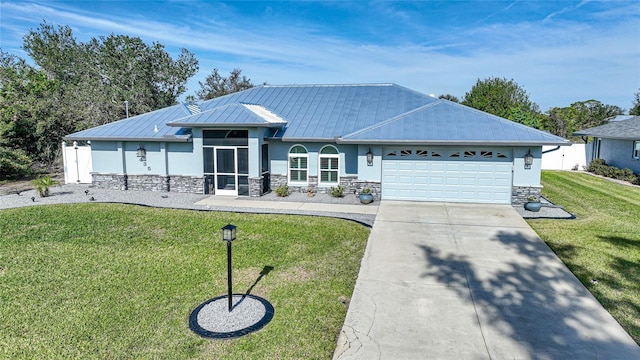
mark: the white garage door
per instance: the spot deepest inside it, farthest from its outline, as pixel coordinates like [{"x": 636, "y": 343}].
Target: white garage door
[{"x": 454, "y": 174}]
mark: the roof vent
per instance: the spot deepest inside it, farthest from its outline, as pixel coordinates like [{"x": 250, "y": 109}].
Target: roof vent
[
  {"x": 155, "y": 128},
  {"x": 193, "y": 108}
]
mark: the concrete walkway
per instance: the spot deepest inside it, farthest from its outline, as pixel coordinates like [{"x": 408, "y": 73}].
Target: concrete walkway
[
  {"x": 457, "y": 281},
  {"x": 240, "y": 202}
]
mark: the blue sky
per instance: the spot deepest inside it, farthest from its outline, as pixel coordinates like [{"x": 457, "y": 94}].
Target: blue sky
[{"x": 559, "y": 51}]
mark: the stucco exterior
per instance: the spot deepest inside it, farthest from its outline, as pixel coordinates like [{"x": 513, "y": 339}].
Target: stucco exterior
[{"x": 619, "y": 153}]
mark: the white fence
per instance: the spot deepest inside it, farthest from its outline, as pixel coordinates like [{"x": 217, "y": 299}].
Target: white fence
[
  {"x": 77, "y": 163},
  {"x": 565, "y": 158}
]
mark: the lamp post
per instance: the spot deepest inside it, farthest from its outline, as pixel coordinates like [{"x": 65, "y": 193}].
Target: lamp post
[{"x": 228, "y": 235}]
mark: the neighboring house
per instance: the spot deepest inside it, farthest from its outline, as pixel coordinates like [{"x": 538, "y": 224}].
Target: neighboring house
[
  {"x": 402, "y": 144},
  {"x": 617, "y": 143}
]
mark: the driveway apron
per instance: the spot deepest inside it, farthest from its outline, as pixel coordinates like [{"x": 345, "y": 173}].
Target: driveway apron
[{"x": 469, "y": 281}]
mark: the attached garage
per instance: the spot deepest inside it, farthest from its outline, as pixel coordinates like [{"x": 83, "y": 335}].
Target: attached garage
[{"x": 455, "y": 174}]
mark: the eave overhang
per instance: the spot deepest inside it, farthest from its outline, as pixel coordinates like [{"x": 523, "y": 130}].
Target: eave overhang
[
  {"x": 453, "y": 142},
  {"x": 137, "y": 139}
]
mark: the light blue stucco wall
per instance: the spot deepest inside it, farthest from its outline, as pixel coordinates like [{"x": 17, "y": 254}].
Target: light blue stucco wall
[
  {"x": 279, "y": 157},
  {"x": 527, "y": 177},
  {"x": 162, "y": 158},
  {"x": 106, "y": 157},
  {"x": 619, "y": 153},
  {"x": 154, "y": 164},
  {"x": 256, "y": 136},
  {"x": 181, "y": 160},
  {"x": 370, "y": 173}
]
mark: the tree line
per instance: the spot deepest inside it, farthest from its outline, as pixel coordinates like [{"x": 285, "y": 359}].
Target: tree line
[
  {"x": 507, "y": 99},
  {"x": 78, "y": 85}
]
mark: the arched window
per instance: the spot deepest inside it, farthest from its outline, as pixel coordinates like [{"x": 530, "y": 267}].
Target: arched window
[
  {"x": 329, "y": 165},
  {"x": 298, "y": 165}
]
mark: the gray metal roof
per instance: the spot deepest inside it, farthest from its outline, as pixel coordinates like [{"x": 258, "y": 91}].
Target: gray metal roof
[
  {"x": 623, "y": 130},
  {"x": 449, "y": 123},
  {"x": 140, "y": 128},
  {"x": 357, "y": 113}
]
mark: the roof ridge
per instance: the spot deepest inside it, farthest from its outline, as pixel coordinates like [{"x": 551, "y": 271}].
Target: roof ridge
[
  {"x": 391, "y": 120},
  {"x": 328, "y": 85}
]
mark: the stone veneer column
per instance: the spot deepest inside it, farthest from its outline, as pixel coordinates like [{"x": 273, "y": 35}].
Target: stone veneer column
[
  {"x": 519, "y": 193},
  {"x": 255, "y": 186}
]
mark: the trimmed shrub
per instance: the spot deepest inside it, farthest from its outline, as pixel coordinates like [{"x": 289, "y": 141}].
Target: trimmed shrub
[
  {"x": 282, "y": 191},
  {"x": 336, "y": 191},
  {"x": 599, "y": 167}
]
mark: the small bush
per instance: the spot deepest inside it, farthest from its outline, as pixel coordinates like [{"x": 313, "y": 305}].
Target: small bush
[
  {"x": 366, "y": 191},
  {"x": 336, "y": 191},
  {"x": 599, "y": 167},
  {"x": 282, "y": 191}
]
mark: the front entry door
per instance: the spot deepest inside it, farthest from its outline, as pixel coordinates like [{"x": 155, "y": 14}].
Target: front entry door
[{"x": 231, "y": 170}]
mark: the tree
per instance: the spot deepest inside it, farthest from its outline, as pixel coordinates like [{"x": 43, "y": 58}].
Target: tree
[
  {"x": 449, "y": 97},
  {"x": 80, "y": 85},
  {"x": 216, "y": 85},
  {"x": 580, "y": 115},
  {"x": 502, "y": 97},
  {"x": 635, "y": 110}
]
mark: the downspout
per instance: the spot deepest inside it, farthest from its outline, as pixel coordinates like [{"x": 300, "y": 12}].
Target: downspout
[{"x": 551, "y": 150}]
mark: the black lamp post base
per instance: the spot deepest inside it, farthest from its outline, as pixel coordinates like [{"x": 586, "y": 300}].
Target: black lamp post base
[{"x": 212, "y": 319}]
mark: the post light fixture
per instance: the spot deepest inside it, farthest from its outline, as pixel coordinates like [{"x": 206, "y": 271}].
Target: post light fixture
[
  {"x": 369, "y": 158},
  {"x": 229, "y": 232},
  {"x": 528, "y": 159},
  {"x": 228, "y": 235},
  {"x": 141, "y": 153}
]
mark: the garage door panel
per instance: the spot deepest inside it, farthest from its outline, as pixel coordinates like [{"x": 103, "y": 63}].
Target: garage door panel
[{"x": 456, "y": 180}]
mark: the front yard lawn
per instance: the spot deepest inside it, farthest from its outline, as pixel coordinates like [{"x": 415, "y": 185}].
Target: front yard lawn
[
  {"x": 119, "y": 281},
  {"x": 602, "y": 245}
]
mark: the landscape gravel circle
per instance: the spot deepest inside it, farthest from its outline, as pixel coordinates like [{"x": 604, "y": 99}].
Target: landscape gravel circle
[{"x": 212, "y": 319}]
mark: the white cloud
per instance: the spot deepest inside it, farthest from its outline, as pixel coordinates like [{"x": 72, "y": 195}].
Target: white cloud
[{"x": 557, "y": 61}]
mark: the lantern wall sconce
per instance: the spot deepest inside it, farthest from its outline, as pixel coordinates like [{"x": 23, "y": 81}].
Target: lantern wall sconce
[
  {"x": 141, "y": 153},
  {"x": 369, "y": 158},
  {"x": 528, "y": 159}
]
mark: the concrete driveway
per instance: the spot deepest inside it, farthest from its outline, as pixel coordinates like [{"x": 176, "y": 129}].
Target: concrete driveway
[{"x": 458, "y": 281}]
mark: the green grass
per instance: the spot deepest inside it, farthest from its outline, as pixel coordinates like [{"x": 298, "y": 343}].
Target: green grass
[
  {"x": 602, "y": 244},
  {"x": 116, "y": 281}
]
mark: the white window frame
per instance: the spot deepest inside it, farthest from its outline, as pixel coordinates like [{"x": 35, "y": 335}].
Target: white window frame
[
  {"x": 636, "y": 149},
  {"x": 336, "y": 170},
  {"x": 289, "y": 168}
]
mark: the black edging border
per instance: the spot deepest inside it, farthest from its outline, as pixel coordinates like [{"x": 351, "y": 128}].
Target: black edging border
[{"x": 196, "y": 328}]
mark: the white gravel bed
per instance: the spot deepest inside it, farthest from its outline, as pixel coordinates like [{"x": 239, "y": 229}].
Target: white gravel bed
[{"x": 215, "y": 316}]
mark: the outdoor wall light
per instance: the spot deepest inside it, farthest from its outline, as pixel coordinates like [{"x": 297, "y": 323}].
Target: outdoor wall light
[
  {"x": 141, "y": 153},
  {"x": 528, "y": 159},
  {"x": 369, "y": 158}
]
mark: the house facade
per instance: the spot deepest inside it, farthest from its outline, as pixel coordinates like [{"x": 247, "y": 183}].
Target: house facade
[
  {"x": 617, "y": 143},
  {"x": 401, "y": 144}
]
